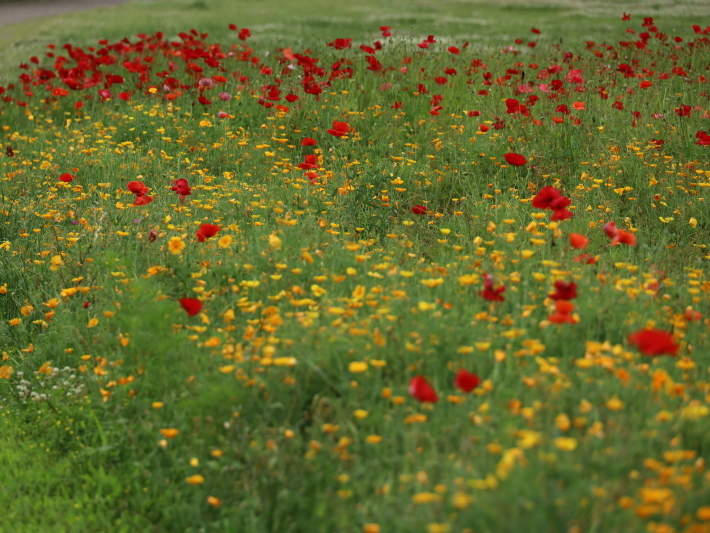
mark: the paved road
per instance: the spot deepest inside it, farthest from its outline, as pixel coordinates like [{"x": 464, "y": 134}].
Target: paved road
[{"x": 14, "y": 12}]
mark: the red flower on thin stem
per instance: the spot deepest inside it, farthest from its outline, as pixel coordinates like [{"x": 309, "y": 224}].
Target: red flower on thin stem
[
  {"x": 142, "y": 199},
  {"x": 137, "y": 187},
  {"x": 654, "y": 342},
  {"x": 514, "y": 159},
  {"x": 619, "y": 236},
  {"x": 563, "y": 313},
  {"x": 419, "y": 210},
  {"x": 578, "y": 241},
  {"x": 206, "y": 231},
  {"x": 545, "y": 196},
  {"x": 420, "y": 389},
  {"x": 466, "y": 381},
  {"x": 67, "y": 178},
  {"x": 339, "y": 129},
  {"x": 181, "y": 187},
  {"x": 311, "y": 162},
  {"x": 192, "y": 306},
  {"x": 564, "y": 291},
  {"x": 489, "y": 292}
]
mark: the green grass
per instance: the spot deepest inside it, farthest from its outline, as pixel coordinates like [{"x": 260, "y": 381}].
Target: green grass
[{"x": 571, "y": 428}]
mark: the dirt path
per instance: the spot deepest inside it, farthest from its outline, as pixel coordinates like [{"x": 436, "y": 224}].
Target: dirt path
[{"x": 14, "y": 12}]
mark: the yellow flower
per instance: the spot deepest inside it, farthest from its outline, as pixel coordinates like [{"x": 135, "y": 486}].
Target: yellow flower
[
  {"x": 614, "y": 404},
  {"x": 56, "y": 261},
  {"x": 373, "y": 439},
  {"x": 15, "y": 321},
  {"x": 176, "y": 245},
  {"x": 225, "y": 241},
  {"x": 566, "y": 444},
  {"x": 6, "y": 371},
  {"x": 357, "y": 367},
  {"x": 274, "y": 242},
  {"x": 317, "y": 290},
  {"x": 694, "y": 411},
  {"x": 360, "y": 414},
  {"x": 197, "y": 479},
  {"x": 562, "y": 422},
  {"x": 169, "y": 433},
  {"x": 93, "y": 322},
  {"x": 425, "y": 497},
  {"x": 157, "y": 405},
  {"x": 468, "y": 279}
]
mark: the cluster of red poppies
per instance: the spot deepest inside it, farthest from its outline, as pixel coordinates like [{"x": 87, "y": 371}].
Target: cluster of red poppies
[
  {"x": 141, "y": 191},
  {"x": 550, "y": 198},
  {"x": 420, "y": 389},
  {"x": 564, "y": 308}
]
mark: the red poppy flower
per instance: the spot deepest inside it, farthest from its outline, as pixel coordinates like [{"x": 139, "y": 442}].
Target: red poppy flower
[
  {"x": 206, "y": 231},
  {"x": 683, "y": 110},
  {"x": 419, "y": 210},
  {"x": 137, "y": 187},
  {"x": 489, "y": 292},
  {"x": 420, "y": 389},
  {"x": 559, "y": 203},
  {"x": 191, "y": 305},
  {"x": 142, "y": 199},
  {"x": 654, "y": 342},
  {"x": 516, "y": 160},
  {"x": 703, "y": 138},
  {"x": 610, "y": 229},
  {"x": 624, "y": 237},
  {"x": 181, "y": 187},
  {"x": 545, "y": 197},
  {"x": 619, "y": 236},
  {"x": 692, "y": 315},
  {"x": 66, "y": 177},
  {"x": 578, "y": 241},
  {"x": 564, "y": 291},
  {"x": 339, "y": 128},
  {"x": 466, "y": 381},
  {"x": 341, "y": 44},
  {"x": 308, "y": 142},
  {"x": 311, "y": 162},
  {"x": 563, "y": 313},
  {"x": 561, "y": 214},
  {"x": 587, "y": 259}
]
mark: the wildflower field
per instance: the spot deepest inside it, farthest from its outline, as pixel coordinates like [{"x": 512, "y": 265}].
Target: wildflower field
[{"x": 394, "y": 283}]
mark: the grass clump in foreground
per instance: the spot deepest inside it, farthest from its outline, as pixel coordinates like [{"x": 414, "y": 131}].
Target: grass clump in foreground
[{"x": 401, "y": 285}]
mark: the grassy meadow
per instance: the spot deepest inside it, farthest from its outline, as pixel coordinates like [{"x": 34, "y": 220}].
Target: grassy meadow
[{"x": 435, "y": 267}]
